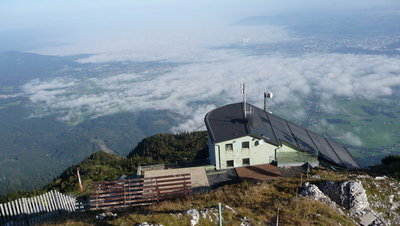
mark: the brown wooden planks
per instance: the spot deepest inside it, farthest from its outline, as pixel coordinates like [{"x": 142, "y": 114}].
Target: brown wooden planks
[{"x": 142, "y": 191}]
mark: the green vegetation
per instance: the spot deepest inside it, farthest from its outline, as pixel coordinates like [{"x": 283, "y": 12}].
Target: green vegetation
[
  {"x": 184, "y": 147},
  {"x": 258, "y": 202},
  {"x": 391, "y": 159},
  {"x": 102, "y": 166},
  {"x": 33, "y": 151},
  {"x": 390, "y": 166}
]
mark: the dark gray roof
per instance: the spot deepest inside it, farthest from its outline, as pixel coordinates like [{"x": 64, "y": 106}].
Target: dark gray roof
[{"x": 228, "y": 122}]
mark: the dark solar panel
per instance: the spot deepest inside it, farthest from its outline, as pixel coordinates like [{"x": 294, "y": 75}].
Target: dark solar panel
[
  {"x": 282, "y": 131},
  {"x": 303, "y": 139},
  {"x": 324, "y": 148},
  {"x": 343, "y": 154},
  {"x": 259, "y": 125}
]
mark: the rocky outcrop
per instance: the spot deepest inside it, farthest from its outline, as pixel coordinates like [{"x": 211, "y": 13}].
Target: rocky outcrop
[
  {"x": 348, "y": 194},
  {"x": 312, "y": 191}
]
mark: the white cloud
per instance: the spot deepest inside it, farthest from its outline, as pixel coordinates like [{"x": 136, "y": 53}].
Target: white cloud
[
  {"x": 351, "y": 139},
  {"x": 192, "y": 89}
]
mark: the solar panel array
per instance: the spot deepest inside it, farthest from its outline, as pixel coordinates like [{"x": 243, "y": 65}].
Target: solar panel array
[{"x": 228, "y": 122}]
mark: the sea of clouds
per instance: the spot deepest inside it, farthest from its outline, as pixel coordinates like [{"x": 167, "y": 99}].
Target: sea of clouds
[
  {"x": 207, "y": 75},
  {"x": 218, "y": 82}
]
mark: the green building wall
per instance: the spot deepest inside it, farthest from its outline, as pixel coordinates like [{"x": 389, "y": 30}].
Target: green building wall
[{"x": 258, "y": 152}]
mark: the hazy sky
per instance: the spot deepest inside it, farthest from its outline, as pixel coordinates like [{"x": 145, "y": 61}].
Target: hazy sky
[
  {"x": 187, "y": 32},
  {"x": 69, "y": 27}
]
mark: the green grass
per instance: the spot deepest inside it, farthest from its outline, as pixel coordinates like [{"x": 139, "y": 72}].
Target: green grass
[{"x": 259, "y": 202}]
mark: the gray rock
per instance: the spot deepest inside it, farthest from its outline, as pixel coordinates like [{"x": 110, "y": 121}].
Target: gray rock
[
  {"x": 312, "y": 191},
  {"x": 348, "y": 194},
  {"x": 316, "y": 176},
  {"x": 245, "y": 222},
  {"x": 143, "y": 224},
  {"x": 195, "y": 216}
]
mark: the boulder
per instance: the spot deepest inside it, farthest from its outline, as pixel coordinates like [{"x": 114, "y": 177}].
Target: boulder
[{"x": 348, "y": 194}]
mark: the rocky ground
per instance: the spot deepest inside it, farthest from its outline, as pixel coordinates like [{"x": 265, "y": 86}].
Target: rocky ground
[
  {"x": 321, "y": 198},
  {"x": 365, "y": 199}
]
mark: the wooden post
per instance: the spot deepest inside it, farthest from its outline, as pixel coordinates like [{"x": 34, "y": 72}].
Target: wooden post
[
  {"x": 64, "y": 203},
  {"x": 10, "y": 211},
  {"x": 32, "y": 209},
  {"x": 21, "y": 211},
  {"x": 41, "y": 203},
  {"x": 6, "y": 214},
  {"x": 50, "y": 196},
  {"x": 277, "y": 217},
  {"x": 301, "y": 180},
  {"x": 61, "y": 198},
  {"x": 45, "y": 202},
  {"x": 15, "y": 209},
  {"x": 24, "y": 207},
  {"x": 219, "y": 214},
  {"x": 36, "y": 204},
  {"x": 59, "y": 206},
  {"x": 157, "y": 191},
  {"x": 69, "y": 203},
  {"x": 33, "y": 206},
  {"x": 2, "y": 215},
  {"x": 123, "y": 187}
]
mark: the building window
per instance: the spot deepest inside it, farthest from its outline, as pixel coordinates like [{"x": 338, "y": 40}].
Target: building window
[
  {"x": 228, "y": 147},
  {"x": 245, "y": 145},
  {"x": 246, "y": 162},
  {"x": 229, "y": 163}
]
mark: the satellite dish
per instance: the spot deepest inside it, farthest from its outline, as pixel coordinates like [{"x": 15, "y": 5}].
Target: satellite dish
[{"x": 267, "y": 96}]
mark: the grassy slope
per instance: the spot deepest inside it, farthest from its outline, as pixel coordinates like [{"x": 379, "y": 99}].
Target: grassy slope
[{"x": 256, "y": 201}]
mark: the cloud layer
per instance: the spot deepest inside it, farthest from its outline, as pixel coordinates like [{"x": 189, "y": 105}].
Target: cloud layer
[
  {"x": 193, "y": 89},
  {"x": 193, "y": 34}
]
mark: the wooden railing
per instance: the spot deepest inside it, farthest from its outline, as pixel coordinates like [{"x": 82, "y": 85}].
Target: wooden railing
[
  {"x": 137, "y": 192},
  {"x": 29, "y": 211}
]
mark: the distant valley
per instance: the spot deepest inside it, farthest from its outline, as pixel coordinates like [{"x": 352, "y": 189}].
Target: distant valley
[
  {"x": 336, "y": 74},
  {"x": 37, "y": 144}
]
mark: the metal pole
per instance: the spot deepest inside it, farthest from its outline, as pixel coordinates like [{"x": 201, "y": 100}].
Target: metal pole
[
  {"x": 277, "y": 218},
  {"x": 265, "y": 100},
  {"x": 219, "y": 214}
]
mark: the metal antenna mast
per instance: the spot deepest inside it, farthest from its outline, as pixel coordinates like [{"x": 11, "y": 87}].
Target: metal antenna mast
[{"x": 243, "y": 89}]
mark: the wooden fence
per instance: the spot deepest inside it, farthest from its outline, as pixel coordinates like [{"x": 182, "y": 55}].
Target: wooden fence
[
  {"x": 28, "y": 211},
  {"x": 137, "y": 192}
]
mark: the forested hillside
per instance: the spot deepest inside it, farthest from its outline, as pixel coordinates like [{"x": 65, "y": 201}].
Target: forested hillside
[
  {"x": 180, "y": 148},
  {"x": 101, "y": 166}
]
